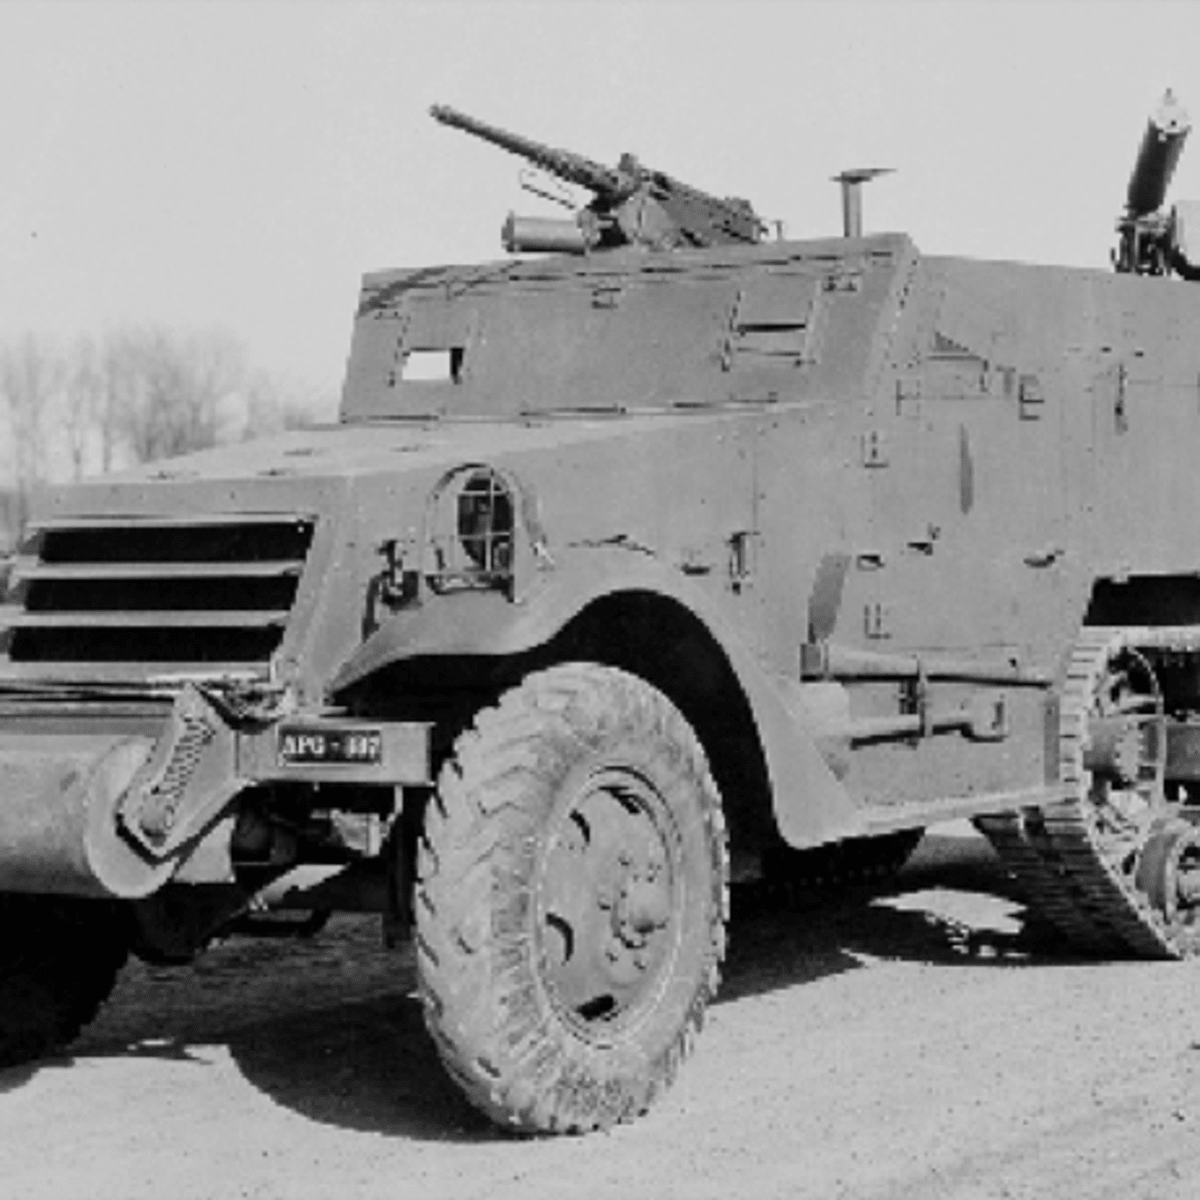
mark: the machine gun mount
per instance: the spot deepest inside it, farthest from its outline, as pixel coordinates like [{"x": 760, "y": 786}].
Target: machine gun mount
[
  {"x": 631, "y": 205},
  {"x": 1154, "y": 241}
]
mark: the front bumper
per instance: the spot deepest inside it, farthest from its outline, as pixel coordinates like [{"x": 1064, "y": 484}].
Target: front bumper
[{"x": 99, "y": 803}]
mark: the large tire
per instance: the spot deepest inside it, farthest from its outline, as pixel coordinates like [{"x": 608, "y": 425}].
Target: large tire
[
  {"x": 572, "y": 901},
  {"x": 59, "y": 959}
]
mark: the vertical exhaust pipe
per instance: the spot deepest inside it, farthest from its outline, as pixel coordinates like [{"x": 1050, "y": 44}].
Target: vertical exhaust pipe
[{"x": 852, "y": 181}]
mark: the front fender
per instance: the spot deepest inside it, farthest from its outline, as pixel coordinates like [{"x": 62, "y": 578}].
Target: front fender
[{"x": 810, "y": 804}]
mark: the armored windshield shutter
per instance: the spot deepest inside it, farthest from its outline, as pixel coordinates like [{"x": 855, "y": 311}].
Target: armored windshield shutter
[
  {"x": 437, "y": 324},
  {"x": 408, "y": 357},
  {"x": 434, "y": 349},
  {"x": 774, "y": 320}
]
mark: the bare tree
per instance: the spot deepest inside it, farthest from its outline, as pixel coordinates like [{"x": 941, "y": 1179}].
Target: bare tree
[
  {"x": 131, "y": 394},
  {"x": 82, "y": 401},
  {"x": 273, "y": 405},
  {"x": 31, "y": 381},
  {"x": 118, "y": 369},
  {"x": 170, "y": 387}
]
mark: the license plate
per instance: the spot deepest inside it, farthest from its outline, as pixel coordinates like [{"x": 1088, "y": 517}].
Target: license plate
[{"x": 298, "y": 746}]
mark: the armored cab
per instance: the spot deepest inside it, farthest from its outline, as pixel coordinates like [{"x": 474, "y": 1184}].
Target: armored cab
[{"x": 678, "y": 558}]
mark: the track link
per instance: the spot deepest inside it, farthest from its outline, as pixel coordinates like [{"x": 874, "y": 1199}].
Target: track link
[{"x": 1055, "y": 894}]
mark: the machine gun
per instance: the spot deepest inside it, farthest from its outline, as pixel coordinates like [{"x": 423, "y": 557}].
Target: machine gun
[
  {"x": 631, "y": 205},
  {"x": 1154, "y": 242}
]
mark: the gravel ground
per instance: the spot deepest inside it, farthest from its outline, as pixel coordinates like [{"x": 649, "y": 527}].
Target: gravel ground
[{"x": 920, "y": 1041}]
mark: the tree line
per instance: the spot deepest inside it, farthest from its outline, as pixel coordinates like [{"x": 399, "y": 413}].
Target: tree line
[{"x": 75, "y": 407}]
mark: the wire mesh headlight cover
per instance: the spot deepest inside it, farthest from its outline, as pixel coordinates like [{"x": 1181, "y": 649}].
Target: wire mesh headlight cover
[{"x": 472, "y": 529}]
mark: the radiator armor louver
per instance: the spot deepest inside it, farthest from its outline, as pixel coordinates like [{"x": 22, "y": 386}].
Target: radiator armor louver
[{"x": 206, "y": 590}]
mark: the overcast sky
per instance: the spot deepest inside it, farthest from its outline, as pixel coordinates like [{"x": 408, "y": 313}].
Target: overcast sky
[{"x": 242, "y": 164}]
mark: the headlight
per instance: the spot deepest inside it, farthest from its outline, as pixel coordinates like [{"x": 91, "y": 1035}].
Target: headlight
[{"x": 471, "y": 531}]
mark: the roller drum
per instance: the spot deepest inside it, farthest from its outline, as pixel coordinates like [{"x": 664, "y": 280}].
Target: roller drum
[{"x": 57, "y": 799}]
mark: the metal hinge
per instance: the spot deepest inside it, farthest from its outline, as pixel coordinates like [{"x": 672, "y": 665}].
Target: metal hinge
[
  {"x": 1030, "y": 398},
  {"x": 874, "y": 448},
  {"x": 876, "y": 620},
  {"x": 908, "y": 395},
  {"x": 741, "y": 559}
]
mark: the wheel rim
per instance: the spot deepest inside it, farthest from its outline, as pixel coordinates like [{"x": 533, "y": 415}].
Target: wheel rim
[{"x": 608, "y": 901}]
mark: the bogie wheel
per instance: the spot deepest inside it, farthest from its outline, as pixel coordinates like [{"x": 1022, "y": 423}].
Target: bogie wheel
[
  {"x": 572, "y": 900},
  {"x": 59, "y": 959}
]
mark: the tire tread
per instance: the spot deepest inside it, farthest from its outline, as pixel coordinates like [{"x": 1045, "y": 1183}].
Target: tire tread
[{"x": 479, "y": 991}]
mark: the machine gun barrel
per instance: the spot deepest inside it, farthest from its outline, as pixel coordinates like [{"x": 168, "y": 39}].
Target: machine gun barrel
[
  {"x": 609, "y": 185},
  {"x": 1157, "y": 158},
  {"x": 631, "y": 205}
]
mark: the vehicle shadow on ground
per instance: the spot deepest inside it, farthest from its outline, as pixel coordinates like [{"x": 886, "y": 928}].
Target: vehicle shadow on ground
[
  {"x": 368, "y": 1066},
  {"x": 331, "y": 1028},
  {"x": 782, "y": 937},
  {"x": 12, "y": 1078}
]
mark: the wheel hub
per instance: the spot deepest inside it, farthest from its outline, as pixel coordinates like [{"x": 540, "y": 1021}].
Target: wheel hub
[
  {"x": 1116, "y": 748},
  {"x": 606, "y": 899},
  {"x": 644, "y": 906}
]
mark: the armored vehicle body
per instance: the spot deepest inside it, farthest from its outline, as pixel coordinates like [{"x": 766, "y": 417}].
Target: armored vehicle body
[{"x": 674, "y": 556}]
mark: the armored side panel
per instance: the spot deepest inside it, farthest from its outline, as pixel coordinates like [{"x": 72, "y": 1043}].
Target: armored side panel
[{"x": 906, "y": 423}]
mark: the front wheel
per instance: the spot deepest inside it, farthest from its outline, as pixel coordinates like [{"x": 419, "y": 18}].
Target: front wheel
[
  {"x": 572, "y": 900},
  {"x": 59, "y": 959}
]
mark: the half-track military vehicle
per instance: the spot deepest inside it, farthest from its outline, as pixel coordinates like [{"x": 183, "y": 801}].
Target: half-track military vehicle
[{"x": 662, "y": 554}]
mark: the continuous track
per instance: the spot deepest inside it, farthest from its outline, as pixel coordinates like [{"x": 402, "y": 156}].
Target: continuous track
[{"x": 1078, "y": 860}]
